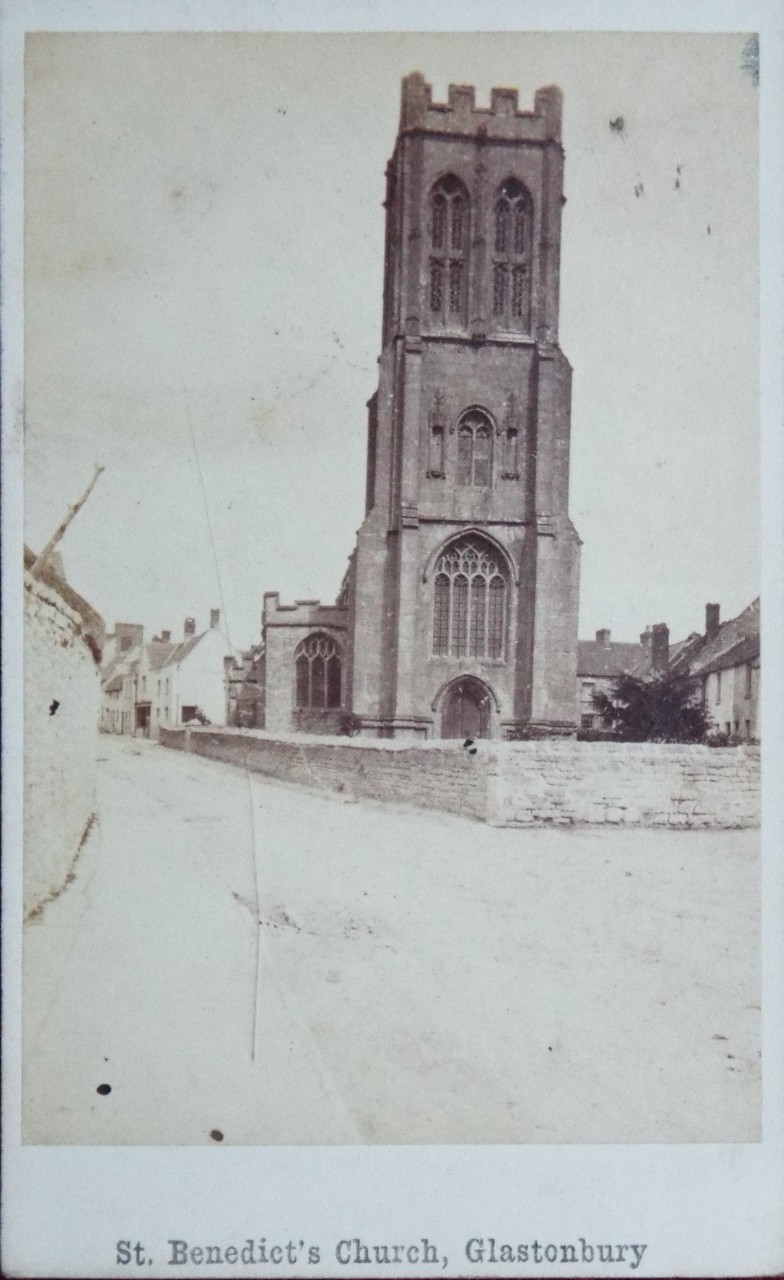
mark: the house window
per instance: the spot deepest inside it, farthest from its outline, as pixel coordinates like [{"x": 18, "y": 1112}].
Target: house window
[
  {"x": 318, "y": 669},
  {"x": 469, "y": 601},
  {"x": 449, "y": 208},
  {"x": 512, "y": 257},
  {"x": 747, "y": 724},
  {"x": 747, "y": 693},
  {"x": 475, "y": 449},
  {"x": 718, "y": 686},
  {"x": 586, "y": 722}
]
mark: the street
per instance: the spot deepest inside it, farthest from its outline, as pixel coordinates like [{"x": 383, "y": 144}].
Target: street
[{"x": 413, "y": 977}]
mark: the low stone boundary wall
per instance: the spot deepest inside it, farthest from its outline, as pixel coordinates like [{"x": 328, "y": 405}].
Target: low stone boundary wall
[
  {"x": 508, "y": 784},
  {"x": 639, "y": 784},
  {"x": 431, "y": 776}
]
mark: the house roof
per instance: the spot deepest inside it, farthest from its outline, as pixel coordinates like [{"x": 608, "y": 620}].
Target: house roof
[
  {"x": 612, "y": 659},
  {"x": 158, "y": 653},
  {"x": 114, "y": 685},
  {"x": 747, "y": 649},
  {"x": 181, "y": 650},
  {"x": 725, "y": 648}
]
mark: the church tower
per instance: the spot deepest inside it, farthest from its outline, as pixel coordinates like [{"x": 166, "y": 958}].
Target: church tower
[{"x": 463, "y": 591}]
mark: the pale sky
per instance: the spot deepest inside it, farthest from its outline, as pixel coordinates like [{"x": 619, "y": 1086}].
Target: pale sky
[{"x": 204, "y": 255}]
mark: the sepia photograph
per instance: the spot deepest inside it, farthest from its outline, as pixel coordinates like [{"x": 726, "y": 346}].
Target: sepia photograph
[{"x": 392, "y": 710}]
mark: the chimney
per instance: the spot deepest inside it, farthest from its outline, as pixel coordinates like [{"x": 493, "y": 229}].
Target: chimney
[
  {"x": 166, "y": 637},
  {"x": 712, "y": 612},
  {"x": 660, "y": 648},
  {"x": 190, "y": 627},
  {"x": 603, "y": 637},
  {"x": 214, "y": 618},
  {"x": 645, "y": 641}
]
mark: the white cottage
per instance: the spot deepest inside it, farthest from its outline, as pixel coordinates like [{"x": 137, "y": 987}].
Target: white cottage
[{"x": 190, "y": 683}]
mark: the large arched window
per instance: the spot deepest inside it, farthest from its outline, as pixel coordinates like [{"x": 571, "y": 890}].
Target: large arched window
[
  {"x": 512, "y": 257},
  {"x": 449, "y": 216},
  {"x": 475, "y": 449},
  {"x": 318, "y": 666},
  {"x": 470, "y": 601}
]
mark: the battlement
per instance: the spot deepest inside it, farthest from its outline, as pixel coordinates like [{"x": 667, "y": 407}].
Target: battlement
[
  {"x": 460, "y": 115},
  {"x": 307, "y": 613}
]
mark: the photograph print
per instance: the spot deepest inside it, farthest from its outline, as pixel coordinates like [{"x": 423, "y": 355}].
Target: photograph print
[{"x": 391, "y": 589}]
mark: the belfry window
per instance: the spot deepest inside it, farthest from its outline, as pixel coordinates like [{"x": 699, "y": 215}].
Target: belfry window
[
  {"x": 448, "y": 250},
  {"x": 475, "y": 449},
  {"x": 469, "y": 601},
  {"x": 512, "y": 257},
  {"x": 318, "y": 667}
]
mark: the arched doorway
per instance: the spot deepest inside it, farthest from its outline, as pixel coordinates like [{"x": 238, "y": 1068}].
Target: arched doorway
[{"x": 466, "y": 710}]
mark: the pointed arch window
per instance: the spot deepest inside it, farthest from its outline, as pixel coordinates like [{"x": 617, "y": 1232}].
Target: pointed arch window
[
  {"x": 318, "y": 667},
  {"x": 470, "y": 601},
  {"x": 449, "y": 216},
  {"x": 475, "y": 449},
  {"x": 512, "y": 238}
]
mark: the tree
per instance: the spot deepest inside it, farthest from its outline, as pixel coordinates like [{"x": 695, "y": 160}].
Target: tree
[{"x": 660, "y": 707}]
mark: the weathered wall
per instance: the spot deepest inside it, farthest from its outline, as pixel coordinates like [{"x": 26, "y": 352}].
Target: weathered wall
[
  {"x": 437, "y": 776},
  {"x": 640, "y": 784},
  {"x": 510, "y": 784},
  {"x": 59, "y": 747}
]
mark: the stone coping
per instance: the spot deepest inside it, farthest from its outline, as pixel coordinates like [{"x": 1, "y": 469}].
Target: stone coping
[{"x": 556, "y": 746}]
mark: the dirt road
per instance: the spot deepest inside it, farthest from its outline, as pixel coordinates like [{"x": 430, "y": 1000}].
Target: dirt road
[{"x": 421, "y": 978}]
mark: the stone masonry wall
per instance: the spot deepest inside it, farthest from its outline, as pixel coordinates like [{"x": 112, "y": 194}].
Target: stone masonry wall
[
  {"x": 431, "y": 776},
  {"x": 59, "y": 747},
  {"x": 639, "y": 784},
  {"x": 509, "y": 784}
]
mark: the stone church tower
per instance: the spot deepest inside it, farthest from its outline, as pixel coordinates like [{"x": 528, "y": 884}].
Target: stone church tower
[
  {"x": 458, "y": 614},
  {"x": 464, "y": 587}
]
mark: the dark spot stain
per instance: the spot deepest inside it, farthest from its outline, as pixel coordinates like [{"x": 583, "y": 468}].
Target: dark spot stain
[
  {"x": 549, "y": 1048},
  {"x": 639, "y": 190},
  {"x": 216, "y": 1135},
  {"x": 104, "y": 1089},
  {"x": 708, "y": 229},
  {"x": 718, "y": 1037},
  {"x": 53, "y": 705},
  {"x": 617, "y": 125}
]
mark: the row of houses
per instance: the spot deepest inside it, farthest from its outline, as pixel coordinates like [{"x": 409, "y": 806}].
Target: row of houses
[
  {"x": 162, "y": 681},
  {"x": 725, "y": 660},
  {"x": 146, "y": 684}
]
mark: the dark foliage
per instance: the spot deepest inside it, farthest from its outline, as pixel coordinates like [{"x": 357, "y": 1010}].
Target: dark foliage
[{"x": 656, "y": 708}]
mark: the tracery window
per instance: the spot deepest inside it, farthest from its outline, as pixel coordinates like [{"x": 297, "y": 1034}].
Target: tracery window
[
  {"x": 318, "y": 667},
  {"x": 469, "y": 601},
  {"x": 512, "y": 256},
  {"x": 475, "y": 449},
  {"x": 449, "y": 208}
]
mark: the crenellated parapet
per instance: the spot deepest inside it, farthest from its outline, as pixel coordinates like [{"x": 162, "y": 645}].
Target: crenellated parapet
[
  {"x": 302, "y": 613},
  {"x": 460, "y": 116}
]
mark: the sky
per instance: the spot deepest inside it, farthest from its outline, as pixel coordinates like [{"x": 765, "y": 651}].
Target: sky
[{"x": 203, "y": 273}]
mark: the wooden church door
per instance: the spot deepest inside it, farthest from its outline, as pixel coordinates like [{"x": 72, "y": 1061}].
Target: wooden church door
[{"x": 466, "y": 712}]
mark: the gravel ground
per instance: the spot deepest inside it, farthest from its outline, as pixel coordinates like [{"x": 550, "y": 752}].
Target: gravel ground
[{"x": 421, "y": 978}]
